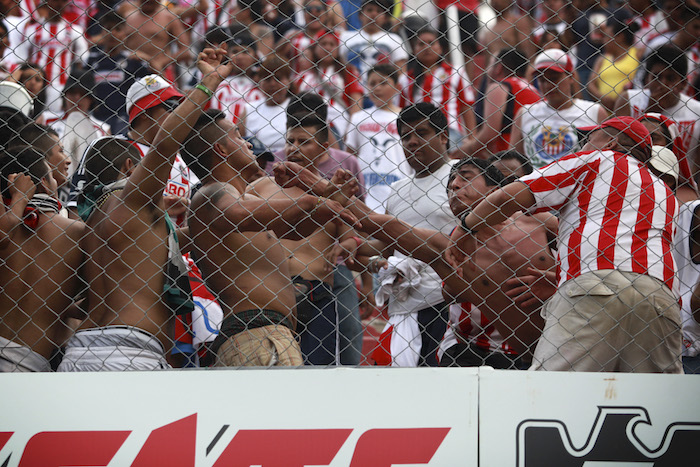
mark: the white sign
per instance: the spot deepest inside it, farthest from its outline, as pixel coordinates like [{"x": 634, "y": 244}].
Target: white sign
[{"x": 274, "y": 418}]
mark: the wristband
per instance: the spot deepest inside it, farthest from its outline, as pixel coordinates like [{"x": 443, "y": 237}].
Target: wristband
[
  {"x": 359, "y": 242},
  {"x": 463, "y": 225},
  {"x": 205, "y": 90}
]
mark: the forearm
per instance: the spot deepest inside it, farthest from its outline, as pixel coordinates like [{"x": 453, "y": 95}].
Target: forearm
[
  {"x": 287, "y": 218},
  {"x": 11, "y": 219},
  {"x": 500, "y": 205}
]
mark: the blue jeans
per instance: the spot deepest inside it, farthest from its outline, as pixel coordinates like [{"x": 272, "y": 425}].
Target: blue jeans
[
  {"x": 350, "y": 326},
  {"x": 691, "y": 365}
]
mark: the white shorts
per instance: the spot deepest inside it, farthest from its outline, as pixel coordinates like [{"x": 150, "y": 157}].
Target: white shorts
[
  {"x": 16, "y": 358},
  {"x": 113, "y": 348}
]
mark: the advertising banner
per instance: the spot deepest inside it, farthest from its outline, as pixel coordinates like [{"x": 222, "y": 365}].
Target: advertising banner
[{"x": 273, "y": 418}]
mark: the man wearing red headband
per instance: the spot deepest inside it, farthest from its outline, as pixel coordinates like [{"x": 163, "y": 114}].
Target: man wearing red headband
[{"x": 616, "y": 308}]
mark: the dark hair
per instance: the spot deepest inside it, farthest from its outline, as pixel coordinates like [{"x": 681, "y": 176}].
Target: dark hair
[
  {"x": 215, "y": 36},
  {"x": 308, "y": 101},
  {"x": 385, "y": 69},
  {"x": 40, "y": 100},
  {"x": 35, "y": 135},
  {"x": 111, "y": 20},
  {"x": 3, "y": 27},
  {"x": 273, "y": 66},
  {"x": 419, "y": 112},
  {"x": 491, "y": 174},
  {"x": 385, "y": 5},
  {"x": 514, "y": 61},
  {"x": 512, "y": 154},
  {"x": 670, "y": 56},
  {"x": 25, "y": 160},
  {"x": 104, "y": 159},
  {"x": 309, "y": 119},
  {"x": 620, "y": 24},
  {"x": 198, "y": 150},
  {"x": 10, "y": 121}
]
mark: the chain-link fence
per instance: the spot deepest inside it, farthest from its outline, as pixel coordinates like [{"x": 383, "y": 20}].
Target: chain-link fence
[{"x": 310, "y": 182}]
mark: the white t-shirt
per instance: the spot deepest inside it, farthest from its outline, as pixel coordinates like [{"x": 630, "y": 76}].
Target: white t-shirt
[
  {"x": 549, "y": 134},
  {"x": 372, "y": 133},
  {"x": 422, "y": 202},
  {"x": 688, "y": 277},
  {"x": 363, "y": 50},
  {"x": 268, "y": 123}
]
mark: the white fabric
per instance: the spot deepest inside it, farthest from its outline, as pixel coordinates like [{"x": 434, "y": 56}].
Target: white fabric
[
  {"x": 364, "y": 50},
  {"x": 76, "y": 131},
  {"x": 268, "y": 123},
  {"x": 549, "y": 134},
  {"x": 16, "y": 358},
  {"x": 404, "y": 281},
  {"x": 232, "y": 95},
  {"x": 55, "y": 48},
  {"x": 113, "y": 348},
  {"x": 613, "y": 214},
  {"x": 422, "y": 202},
  {"x": 405, "y": 342},
  {"x": 467, "y": 325},
  {"x": 688, "y": 277},
  {"x": 686, "y": 113},
  {"x": 372, "y": 133}
]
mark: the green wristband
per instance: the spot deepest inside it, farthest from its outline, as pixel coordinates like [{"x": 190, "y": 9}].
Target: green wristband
[{"x": 205, "y": 90}]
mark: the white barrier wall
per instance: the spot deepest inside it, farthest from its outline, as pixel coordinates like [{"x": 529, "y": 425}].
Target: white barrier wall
[{"x": 349, "y": 417}]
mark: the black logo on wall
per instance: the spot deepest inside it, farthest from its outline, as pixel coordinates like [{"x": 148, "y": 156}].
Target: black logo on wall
[{"x": 613, "y": 438}]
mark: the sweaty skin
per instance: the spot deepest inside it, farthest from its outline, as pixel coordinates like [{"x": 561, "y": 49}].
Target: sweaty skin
[
  {"x": 127, "y": 248},
  {"x": 247, "y": 270},
  {"x": 39, "y": 273}
]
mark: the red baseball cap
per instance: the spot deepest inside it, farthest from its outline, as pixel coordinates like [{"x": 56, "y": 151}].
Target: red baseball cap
[
  {"x": 629, "y": 126},
  {"x": 554, "y": 59},
  {"x": 147, "y": 92}
]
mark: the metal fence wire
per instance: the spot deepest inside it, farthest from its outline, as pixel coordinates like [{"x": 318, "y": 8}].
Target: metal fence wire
[{"x": 222, "y": 183}]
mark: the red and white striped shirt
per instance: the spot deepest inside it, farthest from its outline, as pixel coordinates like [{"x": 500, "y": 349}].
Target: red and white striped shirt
[
  {"x": 468, "y": 325},
  {"x": 55, "y": 47},
  {"x": 445, "y": 87},
  {"x": 613, "y": 214},
  {"x": 233, "y": 94},
  {"x": 300, "y": 42}
]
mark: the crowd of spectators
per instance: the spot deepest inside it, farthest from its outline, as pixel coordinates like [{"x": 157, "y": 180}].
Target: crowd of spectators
[{"x": 232, "y": 183}]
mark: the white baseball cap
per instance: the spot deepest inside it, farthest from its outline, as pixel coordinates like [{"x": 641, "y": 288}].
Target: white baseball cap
[
  {"x": 665, "y": 161},
  {"x": 554, "y": 59},
  {"x": 147, "y": 92},
  {"x": 15, "y": 96}
]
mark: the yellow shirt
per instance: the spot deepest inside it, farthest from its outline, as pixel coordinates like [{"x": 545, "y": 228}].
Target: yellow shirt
[{"x": 615, "y": 75}]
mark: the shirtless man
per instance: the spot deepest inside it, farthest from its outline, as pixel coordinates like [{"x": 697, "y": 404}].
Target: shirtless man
[
  {"x": 312, "y": 259},
  {"x": 152, "y": 33},
  {"x": 236, "y": 239},
  {"x": 40, "y": 261},
  {"x": 512, "y": 249},
  {"x": 132, "y": 243}
]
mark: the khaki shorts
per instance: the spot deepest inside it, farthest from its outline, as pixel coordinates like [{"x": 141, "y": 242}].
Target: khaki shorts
[
  {"x": 611, "y": 321},
  {"x": 272, "y": 345}
]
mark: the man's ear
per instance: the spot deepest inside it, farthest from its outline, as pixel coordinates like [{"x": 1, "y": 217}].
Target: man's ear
[
  {"x": 612, "y": 144},
  {"x": 127, "y": 168},
  {"x": 220, "y": 150}
]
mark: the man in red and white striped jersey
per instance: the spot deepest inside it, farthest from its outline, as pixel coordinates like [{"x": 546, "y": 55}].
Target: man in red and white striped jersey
[
  {"x": 55, "y": 45},
  {"x": 616, "y": 308}
]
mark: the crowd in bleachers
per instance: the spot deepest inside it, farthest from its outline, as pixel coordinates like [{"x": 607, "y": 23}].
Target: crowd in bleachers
[{"x": 243, "y": 182}]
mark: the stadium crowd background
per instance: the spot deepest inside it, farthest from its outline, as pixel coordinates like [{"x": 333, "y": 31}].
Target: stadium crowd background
[{"x": 115, "y": 112}]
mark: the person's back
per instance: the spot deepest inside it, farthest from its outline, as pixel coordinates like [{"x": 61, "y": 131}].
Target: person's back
[
  {"x": 133, "y": 255},
  {"x": 39, "y": 273}
]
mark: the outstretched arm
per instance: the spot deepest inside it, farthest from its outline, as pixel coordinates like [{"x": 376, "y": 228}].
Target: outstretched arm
[{"x": 145, "y": 186}]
